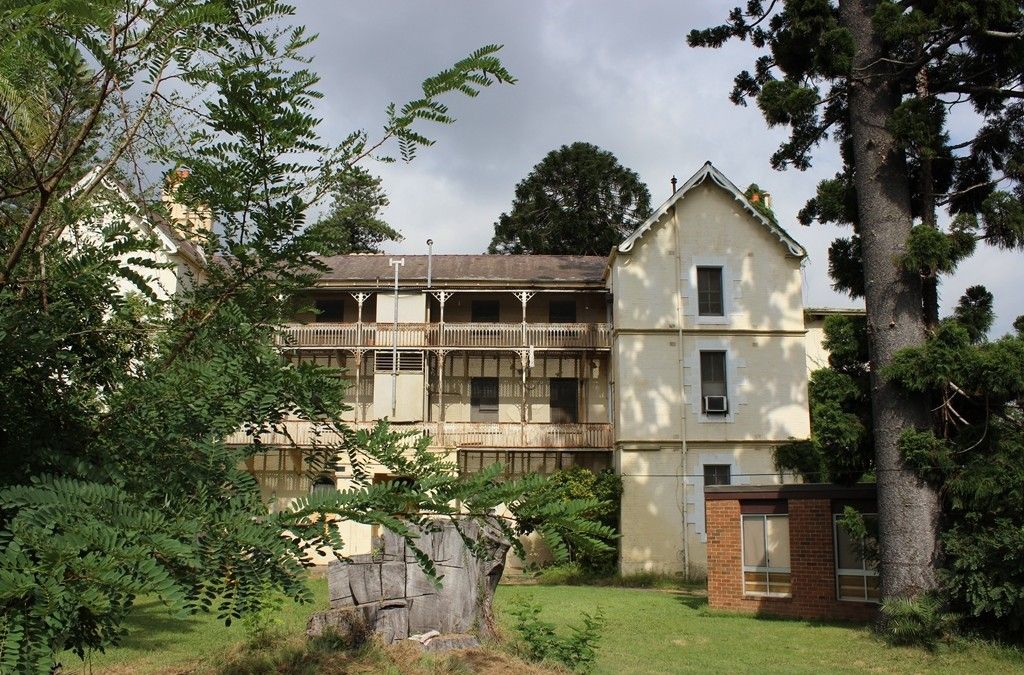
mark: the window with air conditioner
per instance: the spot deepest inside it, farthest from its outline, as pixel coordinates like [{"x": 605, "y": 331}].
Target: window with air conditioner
[{"x": 713, "y": 384}]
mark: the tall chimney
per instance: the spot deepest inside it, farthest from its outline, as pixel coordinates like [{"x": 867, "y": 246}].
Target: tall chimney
[
  {"x": 196, "y": 223},
  {"x": 673, "y": 181}
]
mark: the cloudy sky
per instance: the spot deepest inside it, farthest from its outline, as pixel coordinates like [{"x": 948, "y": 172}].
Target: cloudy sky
[{"x": 615, "y": 74}]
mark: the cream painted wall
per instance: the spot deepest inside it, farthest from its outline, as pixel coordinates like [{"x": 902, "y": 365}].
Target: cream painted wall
[
  {"x": 412, "y": 307},
  {"x": 663, "y": 502},
  {"x": 817, "y": 355},
  {"x": 663, "y": 439}
]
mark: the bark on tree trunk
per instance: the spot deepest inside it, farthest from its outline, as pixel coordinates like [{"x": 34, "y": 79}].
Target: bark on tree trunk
[{"x": 908, "y": 508}]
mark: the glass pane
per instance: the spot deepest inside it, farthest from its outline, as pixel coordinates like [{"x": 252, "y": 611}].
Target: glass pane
[
  {"x": 712, "y": 373},
  {"x": 778, "y": 542},
  {"x": 753, "y": 541},
  {"x": 755, "y": 582},
  {"x": 716, "y": 474},
  {"x": 709, "y": 291},
  {"x": 779, "y": 583},
  {"x": 848, "y": 552},
  {"x": 851, "y": 587},
  {"x": 874, "y": 588}
]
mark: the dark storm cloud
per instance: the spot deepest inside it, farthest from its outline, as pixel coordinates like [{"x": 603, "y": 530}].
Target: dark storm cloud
[{"x": 611, "y": 73}]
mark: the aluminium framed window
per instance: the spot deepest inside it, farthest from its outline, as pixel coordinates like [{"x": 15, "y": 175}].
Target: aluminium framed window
[
  {"x": 856, "y": 576},
  {"x": 765, "y": 555}
]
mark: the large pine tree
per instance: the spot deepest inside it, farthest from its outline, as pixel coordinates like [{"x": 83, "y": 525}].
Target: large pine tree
[
  {"x": 578, "y": 200},
  {"x": 880, "y": 77}
]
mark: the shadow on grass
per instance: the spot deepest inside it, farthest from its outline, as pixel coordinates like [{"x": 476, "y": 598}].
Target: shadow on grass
[
  {"x": 694, "y": 602},
  {"x": 152, "y": 625}
]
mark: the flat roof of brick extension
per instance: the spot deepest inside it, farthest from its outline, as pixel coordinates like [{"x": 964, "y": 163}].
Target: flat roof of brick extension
[
  {"x": 791, "y": 491},
  {"x": 492, "y": 271}
]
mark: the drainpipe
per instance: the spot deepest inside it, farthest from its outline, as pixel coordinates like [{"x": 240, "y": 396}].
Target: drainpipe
[
  {"x": 682, "y": 402},
  {"x": 394, "y": 340}
]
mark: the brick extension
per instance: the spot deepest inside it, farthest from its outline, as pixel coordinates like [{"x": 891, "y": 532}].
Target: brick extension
[{"x": 812, "y": 566}]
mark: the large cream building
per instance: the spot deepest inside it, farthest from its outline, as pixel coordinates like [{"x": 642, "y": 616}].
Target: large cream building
[{"x": 680, "y": 360}]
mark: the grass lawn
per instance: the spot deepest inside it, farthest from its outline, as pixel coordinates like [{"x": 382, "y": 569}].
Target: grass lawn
[
  {"x": 663, "y": 632},
  {"x": 158, "y": 642},
  {"x": 647, "y": 631}
]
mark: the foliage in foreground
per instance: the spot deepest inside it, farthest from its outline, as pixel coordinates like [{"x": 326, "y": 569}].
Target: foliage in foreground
[
  {"x": 916, "y": 622},
  {"x": 116, "y": 402},
  {"x": 976, "y": 456},
  {"x": 539, "y": 641},
  {"x": 604, "y": 490}
]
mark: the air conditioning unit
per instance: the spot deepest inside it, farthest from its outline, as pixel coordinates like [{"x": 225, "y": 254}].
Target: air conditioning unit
[{"x": 716, "y": 404}]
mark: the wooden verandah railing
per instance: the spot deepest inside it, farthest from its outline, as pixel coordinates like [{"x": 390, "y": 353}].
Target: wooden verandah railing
[
  {"x": 448, "y": 335},
  {"x": 460, "y": 434}
]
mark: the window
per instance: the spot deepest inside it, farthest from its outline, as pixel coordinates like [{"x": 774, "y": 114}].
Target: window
[
  {"x": 712, "y": 383},
  {"x": 709, "y": 292},
  {"x": 564, "y": 399},
  {"x": 562, "y": 311},
  {"x": 717, "y": 474},
  {"x": 856, "y": 577},
  {"x": 323, "y": 483},
  {"x": 766, "y": 555},
  {"x": 483, "y": 399},
  {"x": 485, "y": 311},
  {"x": 408, "y": 361},
  {"x": 329, "y": 311}
]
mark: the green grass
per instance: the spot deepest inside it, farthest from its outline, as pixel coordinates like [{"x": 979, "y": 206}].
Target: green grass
[
  {"x": 664, "y": 632},
  {"x": 157, "y": 641},
  {"x": 647, "y": 631}
]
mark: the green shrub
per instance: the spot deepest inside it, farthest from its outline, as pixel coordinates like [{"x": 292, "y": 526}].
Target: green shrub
[
  {"x": 917, "y": 622},
  {"x": 538, "y": 640},
  {"x": 264, "y": 628},
  {"x": 579, "y": 483}
]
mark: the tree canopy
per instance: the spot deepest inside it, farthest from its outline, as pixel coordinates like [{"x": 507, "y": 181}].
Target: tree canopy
[
  {"x": 880, "y": 78},
  {"x": 578, "y": 200}
]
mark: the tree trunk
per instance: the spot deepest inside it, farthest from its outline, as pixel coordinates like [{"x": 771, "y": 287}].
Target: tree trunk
[{"x": 908, "y": 508}]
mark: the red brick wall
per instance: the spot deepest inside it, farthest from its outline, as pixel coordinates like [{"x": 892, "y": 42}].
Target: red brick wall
[{"x": 812, "y": 566}]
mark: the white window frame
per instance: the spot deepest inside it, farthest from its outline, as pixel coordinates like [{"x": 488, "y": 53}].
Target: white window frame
[
  {"x": 730, "y": 293},
  {"x": 768, "y": 570},
  {"x": 864, "y": 572}
]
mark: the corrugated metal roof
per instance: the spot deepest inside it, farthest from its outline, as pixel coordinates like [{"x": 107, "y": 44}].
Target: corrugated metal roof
[{"x": 495, "y": 270}]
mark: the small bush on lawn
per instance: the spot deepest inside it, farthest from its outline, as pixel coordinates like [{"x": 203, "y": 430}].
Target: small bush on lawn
[
  {"x": 920, "y": 622},
  {"x": 538, "y": 640}
]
